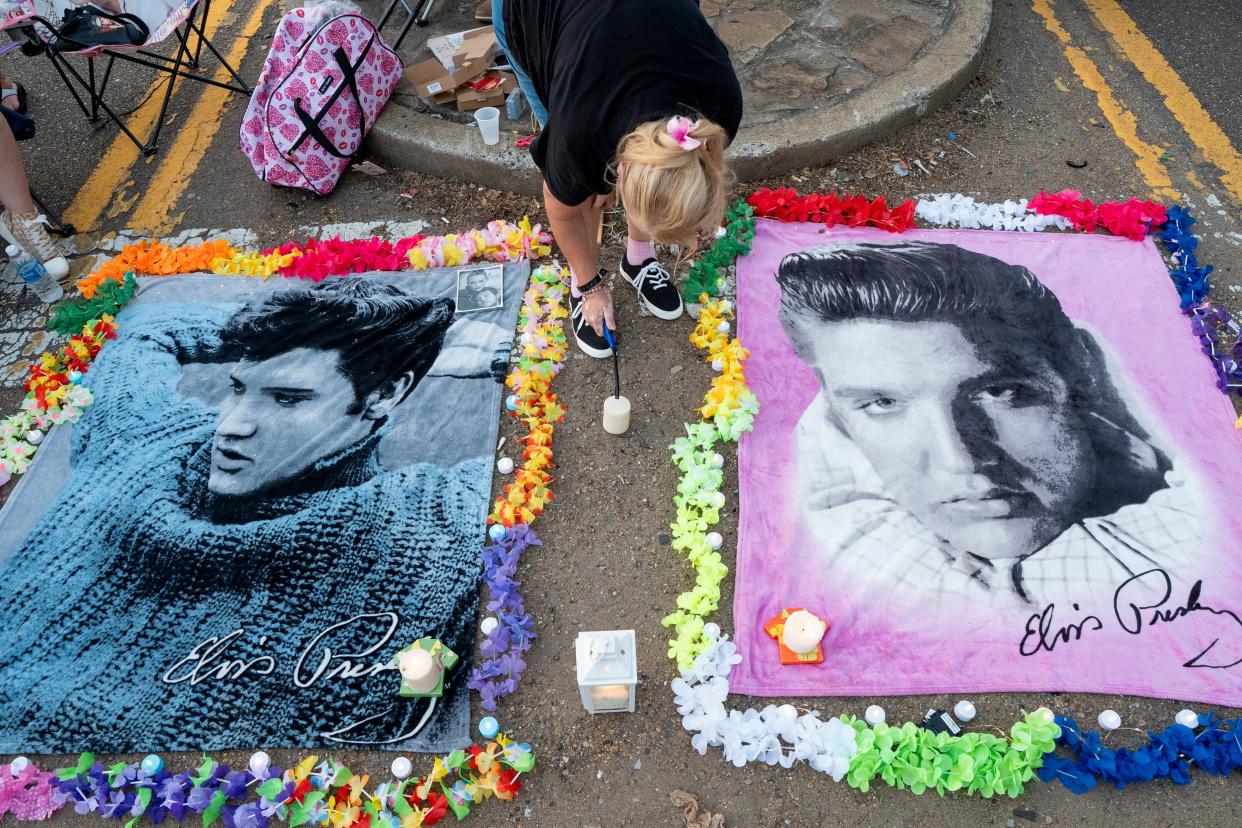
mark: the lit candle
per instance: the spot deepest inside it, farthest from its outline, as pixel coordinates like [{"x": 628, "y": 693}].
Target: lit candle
[
  {"x": 802, "y": 631},
  {"x": 616, "y": 415},
  {"x": 419, "y": 670},
  {"x": 610, "y": 694}
]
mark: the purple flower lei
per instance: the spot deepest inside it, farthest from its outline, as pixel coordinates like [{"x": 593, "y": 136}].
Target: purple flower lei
[
  {"x": 501, "y": 670},
  {"x": 1219, "y": 334},
  {"x": 126, "y": 792}
]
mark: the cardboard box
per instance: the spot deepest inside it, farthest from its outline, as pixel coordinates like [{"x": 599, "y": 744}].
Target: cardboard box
[
  {"x": 470, "y": 62},
  {"x": 430, "y": 79},
  {"x": 477, "y": 46},
  {"x": 470, "y": 99}
]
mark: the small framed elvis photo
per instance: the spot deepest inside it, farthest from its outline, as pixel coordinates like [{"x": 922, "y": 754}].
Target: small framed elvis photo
[{"x": 480, "y": 288}]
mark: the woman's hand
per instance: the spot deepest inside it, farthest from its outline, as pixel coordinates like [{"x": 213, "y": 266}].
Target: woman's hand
[{"x": 597, "y": 309}]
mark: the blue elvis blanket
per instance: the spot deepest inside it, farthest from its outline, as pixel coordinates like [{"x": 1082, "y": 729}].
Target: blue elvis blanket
[{"x": 277, "y": 488}]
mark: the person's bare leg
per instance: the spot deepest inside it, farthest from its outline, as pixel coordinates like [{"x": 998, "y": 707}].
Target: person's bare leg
[{"x": 14, "y": 190}]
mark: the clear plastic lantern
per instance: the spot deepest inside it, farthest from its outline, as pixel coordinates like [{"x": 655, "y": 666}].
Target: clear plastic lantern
[{"x": 607, "y": 671}]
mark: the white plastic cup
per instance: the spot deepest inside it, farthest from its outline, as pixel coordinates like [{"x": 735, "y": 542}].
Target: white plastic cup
[{"x": 488, "y": 119}]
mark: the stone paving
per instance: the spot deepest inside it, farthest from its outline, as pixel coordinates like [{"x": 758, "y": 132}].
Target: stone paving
[{"x": 792, "y": 56}]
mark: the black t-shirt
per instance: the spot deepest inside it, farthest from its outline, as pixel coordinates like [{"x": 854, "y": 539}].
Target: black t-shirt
[{"x": 602, "y": 67}]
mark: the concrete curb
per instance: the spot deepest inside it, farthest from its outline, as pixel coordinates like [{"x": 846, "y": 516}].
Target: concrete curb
[{"x": 406, "y": 139}]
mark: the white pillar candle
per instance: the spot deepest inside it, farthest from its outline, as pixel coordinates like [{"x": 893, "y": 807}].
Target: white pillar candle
[
  {"x": 616, "y": 415},
  {"x": 802, "y": 631},
  {"x": 419, "y": 671}
]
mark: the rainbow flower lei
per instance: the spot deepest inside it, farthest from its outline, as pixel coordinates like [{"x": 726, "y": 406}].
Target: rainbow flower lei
[{"x": 312, "y": 793}]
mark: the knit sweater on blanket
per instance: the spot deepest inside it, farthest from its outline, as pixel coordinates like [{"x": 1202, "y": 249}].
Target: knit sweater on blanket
[{"x": 143, "y": 613}]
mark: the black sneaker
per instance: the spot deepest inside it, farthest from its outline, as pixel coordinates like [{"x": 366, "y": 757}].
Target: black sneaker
[
  {"x": 591, "y": 343},
  {"x": 655, "y": 287}
]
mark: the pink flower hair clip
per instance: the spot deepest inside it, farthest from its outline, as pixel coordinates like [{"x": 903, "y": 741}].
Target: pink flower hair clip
[{"x": 681, "y": 129}]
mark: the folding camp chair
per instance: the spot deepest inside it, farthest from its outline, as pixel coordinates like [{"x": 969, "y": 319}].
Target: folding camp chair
[{"x": 185, "y": 21}]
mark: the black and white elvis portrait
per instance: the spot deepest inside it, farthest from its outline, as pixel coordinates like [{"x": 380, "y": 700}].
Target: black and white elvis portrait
[
  {"x": 968, "y": 438},
  {"x": 267, "y": 487}
]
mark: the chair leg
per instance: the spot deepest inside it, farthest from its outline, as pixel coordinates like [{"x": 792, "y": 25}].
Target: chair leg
[
  {"x": 183, "y": 51},
  {"x": 96, "y": 101},
  {"x": 59, "y": 226}
]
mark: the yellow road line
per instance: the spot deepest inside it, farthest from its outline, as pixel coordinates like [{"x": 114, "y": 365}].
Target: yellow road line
[
  {"x": 1122, "y": 120},
  {"x": 1209, "y": 137},
  {"x": 178, "y": 163},
  {"x": 114, "y": 166}
]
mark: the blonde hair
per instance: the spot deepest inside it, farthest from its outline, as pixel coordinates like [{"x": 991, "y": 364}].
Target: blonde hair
[{"x": 674, "y": 194}]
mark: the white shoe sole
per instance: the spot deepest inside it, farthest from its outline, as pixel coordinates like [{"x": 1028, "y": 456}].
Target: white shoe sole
[
  {"x": 659, "y": 313},
  {"x": 592, "y": 352}
]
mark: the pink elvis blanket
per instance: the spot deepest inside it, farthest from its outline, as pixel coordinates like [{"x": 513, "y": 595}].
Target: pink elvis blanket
[{"x": 991, "y": 461}]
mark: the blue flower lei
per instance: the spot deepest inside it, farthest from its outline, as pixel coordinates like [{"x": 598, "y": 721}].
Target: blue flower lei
[{"x": 1214, "y": 747}]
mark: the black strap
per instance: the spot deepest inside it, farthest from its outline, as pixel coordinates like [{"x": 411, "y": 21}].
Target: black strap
[{"x": 349, "y": 80}]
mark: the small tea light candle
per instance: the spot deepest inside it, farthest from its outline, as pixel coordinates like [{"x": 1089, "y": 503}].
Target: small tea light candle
[
  {"x": 717, "y": 461},
  {"x": 802, "y": 631},
  {"x": 1045, "y": 715},
  {"x": 616, "y": 415},
  {"x": 488, "y": 727},
  {"x": 964, "y": 710},
  {"x": 504, "y": 465},
  {"x": 1109, "y": 720},
  {"x": 401, "y": 767},
  {"x": 724, "y": 326},
  {"x": 1187, "y": 718},
  {"x": 488, "y": 625},
  {"x": 34, "y": 436},
  {"x": 511, "y": 402},
  {"x": 419, "y": 670},
  {"x": 18, "y": 765},
  {"x": 718, "y": 500},
  {"x": 717, "y": 365},
  {"x": 874, "y": 715},
  {"x": 152, "y": 764},
  {"x": 497, "y": 533},
  {"x": 714, "y": 540}
]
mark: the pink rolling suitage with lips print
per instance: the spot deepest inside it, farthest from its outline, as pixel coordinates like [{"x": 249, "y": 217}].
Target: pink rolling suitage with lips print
[{"x": 326, "y": 78}]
